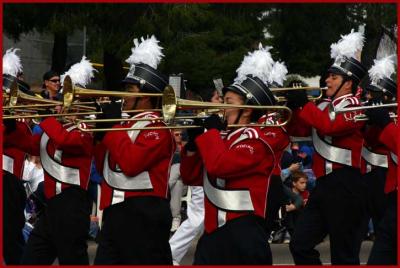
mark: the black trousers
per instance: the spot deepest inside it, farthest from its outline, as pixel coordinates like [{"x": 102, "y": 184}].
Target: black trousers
[
  {"x": 135, "y": 232},
  {"x": 336, "y": 207},
  {"x": 14, "y": 200},
  {"x": 384, "y": 250},
  {"x": 275, "y": 199},
  {"x": 377, "y": 199},
  {"x": 61, "y": 231},
  {"x": 291, "y": 219},
  {"x": 241, "y": 241}
]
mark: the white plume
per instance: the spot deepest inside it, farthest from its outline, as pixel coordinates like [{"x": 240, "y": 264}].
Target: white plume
[
  {"x": 81, "y": 73},
  {"x": 12, "y": 62},
  {"x": 278, "y": 73},
  {"x": 257, "y": 63},
  {"x": 384, "y": 67},
  {"x": 147, "y": 52},
  {"x": 349, "y": 45}
]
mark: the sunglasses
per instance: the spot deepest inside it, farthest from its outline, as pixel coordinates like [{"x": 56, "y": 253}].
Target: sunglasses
[{"x": 178, "y": 134}]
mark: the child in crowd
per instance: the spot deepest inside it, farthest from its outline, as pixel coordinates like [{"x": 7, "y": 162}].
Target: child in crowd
[{"x": 297, "y": 198}]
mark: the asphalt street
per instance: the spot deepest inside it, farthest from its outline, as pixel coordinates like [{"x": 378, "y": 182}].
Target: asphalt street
[{"x": 280, "y": 253}]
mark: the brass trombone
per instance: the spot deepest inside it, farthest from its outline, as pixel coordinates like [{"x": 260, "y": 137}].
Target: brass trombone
[
  {"x": 71, "y": 92},
  {"x": 100, "y": 65},
  {"x": 170, "y": 105},
  {"x": 298, "y": 87},
  {"x": 362, "y": 117},
  {"x": 15, "y": 95},
  {"x": 361, "y": 108},
  {"x": 34, "y": 116}
]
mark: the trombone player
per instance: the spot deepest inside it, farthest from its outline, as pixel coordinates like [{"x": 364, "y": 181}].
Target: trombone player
[
  {"x": 135, "y": 165},
  {"x": 374, "y": 161},
  {"x": 66, "y": 155},
  {"x": 14, "y": 196},
  {"x": 234, "y": 172},
  {"x": 337, "y": 205},
  {"x": 384, "y": 250}
]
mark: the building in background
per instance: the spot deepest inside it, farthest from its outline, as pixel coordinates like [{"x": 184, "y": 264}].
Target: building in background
[{"x": 36, "y": 51}]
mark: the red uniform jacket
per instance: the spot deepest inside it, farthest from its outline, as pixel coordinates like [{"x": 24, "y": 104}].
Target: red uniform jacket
[
  {"x": 373, "y": 153},
  {"x": 65, "y": 153},
  {"x": 277, "y": 138},
  {"x": 390, "y": 137},
  {"x": 138, "y": 161},
  {"x": 235, "y": 174},
  {"x": 337, "y": 141},
  {"x": 14, "y": 158}
]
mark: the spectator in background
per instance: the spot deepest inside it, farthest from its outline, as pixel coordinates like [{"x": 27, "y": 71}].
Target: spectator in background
[
  {"x": 33, "y": 176},
  {"x": 93, "y": 190},
  {"x": 307, "y": 151},
  {"x": 291, "y": 161},
  {"x": 298, "y": 158},
  {"x": 51, "y": 85},
  {"x": 51, "y": 90},
  {"x": 296, "y": 196},
  {"x": 175, "y": 183}
]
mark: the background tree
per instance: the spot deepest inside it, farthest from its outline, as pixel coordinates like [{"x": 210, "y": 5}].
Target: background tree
[
  {"x": 57, "y": 19},
  {"x": 202, "y": 41}
]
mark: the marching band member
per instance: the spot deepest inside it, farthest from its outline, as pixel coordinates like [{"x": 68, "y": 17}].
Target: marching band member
[
  {"x": 234, "y": 172},
  {"x": 14, "y": 196},
  {"x": 135, "y": 165},
  {"x": 337, "y": 204},
  {"x": 384, "y": 250},
  {"x": 65, "y": 153},
  {"x": 13, "y": 158},
  {"x": 374, "y": 161}
]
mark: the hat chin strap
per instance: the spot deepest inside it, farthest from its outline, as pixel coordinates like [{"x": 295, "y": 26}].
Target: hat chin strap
[
  {"x": 337, "y": 90},
  {"x": 238, "y": 117},
  {"x": 137, "y": 99}
]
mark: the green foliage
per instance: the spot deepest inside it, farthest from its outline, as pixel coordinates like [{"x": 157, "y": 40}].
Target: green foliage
[
  {"x": 302, "y": 33},
  {"x": 204, "y": 41}
]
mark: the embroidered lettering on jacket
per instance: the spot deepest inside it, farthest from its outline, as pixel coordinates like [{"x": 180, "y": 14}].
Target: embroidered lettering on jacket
[
  {"x": 270, "y": 134},
  {"x": 246, "y": 146},
  {"x": 152, "y": 135}
]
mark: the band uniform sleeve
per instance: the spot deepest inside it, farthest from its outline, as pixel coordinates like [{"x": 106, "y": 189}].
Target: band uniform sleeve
[
  {"x": 389, "y": 137},
  {"x": 23, "y": 140},
  {"x": 276, "y": 137},
  {"x": 191, "y": 169},
  {"x": 320, "y": 120},
  {"x": 72, "y": 142},
  {"x": 134, "y": 158},
  {"x": 236, "y": 162},
  {"x": 297, "y": 126}
]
